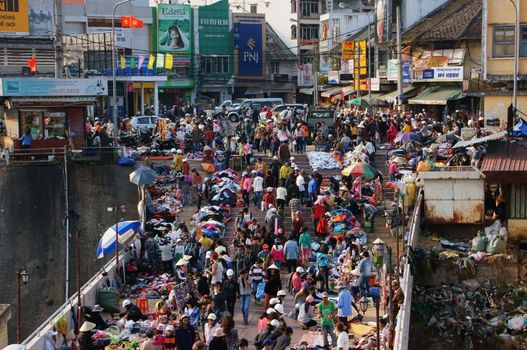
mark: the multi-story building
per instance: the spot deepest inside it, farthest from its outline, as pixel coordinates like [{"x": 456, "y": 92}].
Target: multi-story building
[{"x": 499, "y": 18}]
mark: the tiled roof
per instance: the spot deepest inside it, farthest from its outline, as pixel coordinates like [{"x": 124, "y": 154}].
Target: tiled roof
[
  {"x": 276, "y": 48},
  {"x": 458, "y": 19}
]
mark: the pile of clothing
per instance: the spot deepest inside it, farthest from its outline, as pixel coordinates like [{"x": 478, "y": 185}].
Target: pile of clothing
[
  {"x": 472, "y": 311},
  {"x": 194, "y": 155},
  {"x": 166, "y": 197},
  {"x": 151, "y": 287},
  {"x": 210, "y": 221},
  {"x": 225, "y": 187},
  {"x": 342, "y": 221},
  {"x": 322, "y": 160}
]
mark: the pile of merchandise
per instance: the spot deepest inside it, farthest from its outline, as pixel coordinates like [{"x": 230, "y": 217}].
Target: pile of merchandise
[
  {"x": 322, "y": 160},
  {"x": 210, "y": 221},
  {"x": 225, "y": 188},
  {"x": 166, "y": 197}
]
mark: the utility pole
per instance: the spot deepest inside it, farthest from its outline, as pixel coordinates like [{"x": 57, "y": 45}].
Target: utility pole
[
  {"x": 315, "y": 77},
  {"x": 59, "y": 52},
  {"x": 399, "y": 54},
  {"x": 516, "y": 5}
]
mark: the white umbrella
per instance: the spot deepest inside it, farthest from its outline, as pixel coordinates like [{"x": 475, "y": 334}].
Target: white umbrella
[
  {"x": 107, "y": 242},
  {"x": 142, "y": 176}
]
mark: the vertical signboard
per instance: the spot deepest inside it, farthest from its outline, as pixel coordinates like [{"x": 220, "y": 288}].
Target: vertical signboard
[
  {"x": 384, "y": 9},
  {"x": 214, "y": 29},
  {"x": 249, "y": 41},
  {"x": 174, "y": 29}
]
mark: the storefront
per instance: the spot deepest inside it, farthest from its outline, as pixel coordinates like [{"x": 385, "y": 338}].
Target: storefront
[{"x": 52, "y": 110}]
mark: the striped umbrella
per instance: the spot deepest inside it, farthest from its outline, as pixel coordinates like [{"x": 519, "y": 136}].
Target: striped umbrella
[
  {"x": 107, "y": 242},
  {"x": 361, "y": 169}
]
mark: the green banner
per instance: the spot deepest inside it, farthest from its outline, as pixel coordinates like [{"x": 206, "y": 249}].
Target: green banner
[{"x": 174, "y": 29}]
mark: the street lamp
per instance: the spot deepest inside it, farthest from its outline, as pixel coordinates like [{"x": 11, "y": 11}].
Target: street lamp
[
  {"x": 22, "y": 277},
  {"x": 114, "y": 83},
  {"x": 363, "y": 304},
  {"x": 376, "y": 296}
]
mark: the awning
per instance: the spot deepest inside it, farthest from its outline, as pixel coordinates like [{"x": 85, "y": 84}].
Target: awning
[
  {"x": 348, "y": 90},
  {"x": 331, "y": 92},
  {"x": 390, "y": 97},
  {"x": 254, "y": 91},
  {"x": 306, "y": 91},
  {"x": 36, "y": 101},
  {"x": 495, "y": 136},
  {"x": 437, "y": 95}
]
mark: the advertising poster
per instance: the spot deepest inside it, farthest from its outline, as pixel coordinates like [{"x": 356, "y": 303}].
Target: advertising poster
[
  {"x": 174, "y": 29},
  {"x": 53, "y": 87},
  {"x": 214, "y": 29},
  {"x": 348, "y": 48},
  {"x": 14, "y": 16},
  {"x": 41, "y": 18},
  {"x": 249, "y": 40},
  {"x": 407, "y": 72},
  {"x": 333, "y": 77}
]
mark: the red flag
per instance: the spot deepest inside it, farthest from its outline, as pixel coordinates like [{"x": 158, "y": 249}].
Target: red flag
[
  {"x": 32, "y": 63},
  {"x": 125, "y": 21},
  {"x": 135, "y": 22}
]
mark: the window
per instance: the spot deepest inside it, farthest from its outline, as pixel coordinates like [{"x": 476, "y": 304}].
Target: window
[
  {"x": 44, "y": 125},
  {"x": 518, "y": 201},
  {"x": 309, "y": 9},
  {"x": 254, "y": 8},
  {"x": 275, "y": 67},
  {"x": 309, "y": 31},
  {"x": 293, "y": 31},
  {"x": 503, "y": 41},
  {"x": 215, "y": 65},
  {"x": 293, "y": 6}
]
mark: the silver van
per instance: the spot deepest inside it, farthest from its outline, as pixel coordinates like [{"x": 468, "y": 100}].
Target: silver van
[{"x": 234, "y": 114}]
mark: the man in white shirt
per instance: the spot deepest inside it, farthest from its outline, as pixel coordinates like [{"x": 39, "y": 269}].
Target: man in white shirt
[
  {"x": 342, "y": 337},
  {"x": 258, "y": 188},
  {"x": 301, "y": 184}
]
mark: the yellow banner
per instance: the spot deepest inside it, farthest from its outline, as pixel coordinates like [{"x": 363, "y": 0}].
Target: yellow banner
[
  {"x": 348, "y": 47},
  {"x": 14, "y": 17}
]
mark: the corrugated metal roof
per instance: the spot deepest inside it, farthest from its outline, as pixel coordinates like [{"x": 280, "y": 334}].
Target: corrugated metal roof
[
  {"x": 506, "y": 162},
  {"x": 491, "y": 137}
]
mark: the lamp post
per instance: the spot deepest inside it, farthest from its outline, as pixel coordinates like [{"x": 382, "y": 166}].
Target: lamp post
[
  {"x": 363, "y": 304},
  {"x": 396, "y": 205},
  {"x": 122, "y": 208},
  {"x": 22, "y": 277},
  {"x": 516, "y": 56},
  {"x": 376, "y": 296},
  {"x": 114, "y": 83}
]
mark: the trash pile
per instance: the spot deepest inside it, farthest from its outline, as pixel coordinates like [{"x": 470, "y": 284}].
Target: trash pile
[
  {"x": 492, "y": 241},
  {"x": 473, "y": 310},
  {"x": 322, "y": 160},
  {"x": 225, "y": 188},
  {"x": 210, "y": 221},
  {"x": 167, "y": 199}
]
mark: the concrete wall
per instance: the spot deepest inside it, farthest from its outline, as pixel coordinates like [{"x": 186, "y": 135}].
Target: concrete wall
[
  {"x": 5, "y": 316},
  {"x": 495, "y": 106},
  {"x": 32, "y": 208}
]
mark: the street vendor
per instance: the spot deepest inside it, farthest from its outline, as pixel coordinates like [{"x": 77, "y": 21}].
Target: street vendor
[{"x": 132, "y": 311}]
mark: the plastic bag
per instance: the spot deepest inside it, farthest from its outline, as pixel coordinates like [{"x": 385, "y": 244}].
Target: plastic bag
[
  {"x": 260, "y": 290},
  {"x": 498, "y": 245},
  {"x": 479, "y": 243}
]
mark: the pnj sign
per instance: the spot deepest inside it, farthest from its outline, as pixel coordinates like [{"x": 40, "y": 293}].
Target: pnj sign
[{"x": 440, "y": 74}]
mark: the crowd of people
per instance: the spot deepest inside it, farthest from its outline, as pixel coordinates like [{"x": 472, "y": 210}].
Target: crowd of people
[{"x": 294, "y": 251}]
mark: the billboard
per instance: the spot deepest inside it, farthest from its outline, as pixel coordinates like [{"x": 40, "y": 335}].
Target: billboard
[
  {"x": 385, "y": 17},
  {"x": 215, "y": 29},
  {"x": 249, "y": 41},
  {"x": 53, "y": 87},
  {"x": 439, "y": 74},
  {"x": 41, "y": 18},
  {"x": 174, "y": 29},
  {"x": 15, "y": 17}
]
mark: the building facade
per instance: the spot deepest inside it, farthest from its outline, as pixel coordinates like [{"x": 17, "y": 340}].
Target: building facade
[{"x": 499, "y": 19}]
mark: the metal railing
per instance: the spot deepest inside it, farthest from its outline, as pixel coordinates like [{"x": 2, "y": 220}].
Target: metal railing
[{"x": 402, "y": 329}]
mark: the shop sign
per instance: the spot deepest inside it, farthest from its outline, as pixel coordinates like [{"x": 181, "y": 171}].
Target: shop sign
[
  {"x": 333, "y": 77},
  {"x": 391, "y": 70},
  {"x": 407, "y": 72},
  {"x": 305, "y": 74},
  {"x": 174, "y": 29},
  {"x": 440, "y": 74},
  {"x": 14, "y": 17},
  {"x": 53, "y": 87},
  {"x": 249, "y": 39},
  {"x": 375, "y": 84},
  {"x": 214, "y": 29},
  {"x": 123, "y": 36},
  {"x": 324, "y": 68}
]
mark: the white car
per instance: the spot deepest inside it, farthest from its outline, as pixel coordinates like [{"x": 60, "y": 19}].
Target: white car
[{"x": 144, "y": 123}]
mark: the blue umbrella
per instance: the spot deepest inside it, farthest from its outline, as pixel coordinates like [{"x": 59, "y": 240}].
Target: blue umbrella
[
  {"x": 142, "y": 176},
  {"x": 107, "y": 242}
]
